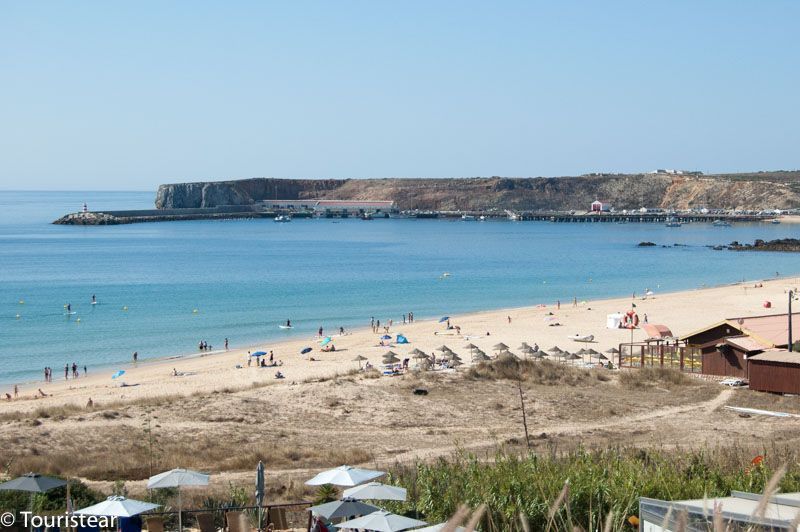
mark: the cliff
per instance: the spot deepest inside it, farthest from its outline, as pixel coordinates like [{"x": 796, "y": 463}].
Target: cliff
[{"x": 756, "y": 191}]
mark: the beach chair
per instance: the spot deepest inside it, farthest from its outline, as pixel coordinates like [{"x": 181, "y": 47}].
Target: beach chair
[
  {"x": 237, "y": 522},
  {"x": 276, "y": 518},
  {"x": 155, "y": 524},
  {"x": 205, "y": 522}
]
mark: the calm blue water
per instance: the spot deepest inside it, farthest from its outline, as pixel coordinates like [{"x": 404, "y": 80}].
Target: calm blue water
[{"x": 245, "y": 277}]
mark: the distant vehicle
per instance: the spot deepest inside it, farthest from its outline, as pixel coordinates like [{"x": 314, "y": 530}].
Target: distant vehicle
[{"x": 734, "y": 382}]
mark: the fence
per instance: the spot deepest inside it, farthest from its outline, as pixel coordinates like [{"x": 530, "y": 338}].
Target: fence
[
  {"x": 661, "y": 354},
  {"x": 290, "y": 516}
]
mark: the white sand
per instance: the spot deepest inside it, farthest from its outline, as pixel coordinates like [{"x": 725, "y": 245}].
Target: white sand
[{"x": 682, "y": 312}]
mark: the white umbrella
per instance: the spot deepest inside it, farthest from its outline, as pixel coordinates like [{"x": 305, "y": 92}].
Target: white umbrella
[
  {"x": 345, "y": 508},
  {"x": 116, "y": 506},
  {"x": 382, "y": 521},
  {"x": 176, "y": 478},
  {"x": 376, "y": 491},
  {"x": 438, "y": 528},
  {"x": 344, "y": 476}
]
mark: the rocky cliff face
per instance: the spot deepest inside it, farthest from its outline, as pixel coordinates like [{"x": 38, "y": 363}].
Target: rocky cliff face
[{"x": 743, "y": 191}]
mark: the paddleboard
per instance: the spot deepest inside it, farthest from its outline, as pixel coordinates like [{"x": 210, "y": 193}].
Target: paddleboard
[
  {"x": 70, "y": 313},
  {"x": 94, "y": 302},
  {"x": 286, "y": 326}
]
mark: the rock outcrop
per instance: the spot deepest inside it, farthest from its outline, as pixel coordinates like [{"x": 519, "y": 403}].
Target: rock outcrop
[{"x": 763, "y": 190}]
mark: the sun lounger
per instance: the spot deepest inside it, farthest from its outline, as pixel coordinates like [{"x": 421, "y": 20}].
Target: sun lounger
[
  {"x": 205, "y": 522},
  {"x": 155, "y": 524}
]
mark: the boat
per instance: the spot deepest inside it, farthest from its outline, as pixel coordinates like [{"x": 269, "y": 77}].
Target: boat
[
  {"x": 468, "y": 218},
  {"x": 582, "y": 337},
  {"x": 721, "y": 223},
  {"x": 672, "y": 222},
  {"x": 366, "y": 216},
  {"x": 775, "y": 221},
  {"x": 283, "y": 218},
  {"x": 482, "y": 218},
  {"x": 400, "y": 215},
  {"x": 513, "y": 216}
]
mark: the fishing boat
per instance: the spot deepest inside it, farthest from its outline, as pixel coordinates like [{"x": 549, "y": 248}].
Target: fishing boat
[
  {"x": 468, "y": 218},
  {"x": 366, "y": 216},
  {"x": 721, "y": 223},
  {"x": 775, "y": 221},
  {"x": 283, "y": 218},
  {"x": 672, "y": 222}
]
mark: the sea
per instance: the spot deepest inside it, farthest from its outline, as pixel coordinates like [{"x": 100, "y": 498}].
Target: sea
[{"x": 163, "y": 287}]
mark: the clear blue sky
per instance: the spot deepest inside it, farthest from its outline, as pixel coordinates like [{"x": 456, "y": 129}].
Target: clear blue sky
[{"x": 112, "y": 95}]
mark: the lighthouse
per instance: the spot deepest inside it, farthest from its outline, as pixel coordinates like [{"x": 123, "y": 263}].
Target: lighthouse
[{"x": 85, "y": 208}]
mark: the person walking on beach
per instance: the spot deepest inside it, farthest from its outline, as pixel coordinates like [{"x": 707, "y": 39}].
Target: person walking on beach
[
  {"x": 66, "y": 371},
  {"x": 509, "y": 320},
  {"x": 372, "y": 323},
  {"x": 85, "y": 371},
  {"x": 320, "y": 332},
  {"x": 249, "y": 359},
  {"x": 16, "y": 391},
  {"x": 226, "y": 343},
  {"x": 645, "y": 318},
  {"x": 135, "y": 356},
  {"x": 558, "y": 304},
  {"x": 74, "y": 370},
  {"x": 574, "y": 301},
  {"x": 271, "y": 356},
  {"x": 46, "y": 378}
]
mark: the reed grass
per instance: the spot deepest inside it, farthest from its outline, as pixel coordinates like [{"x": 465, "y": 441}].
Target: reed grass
[{"x": 587, "y": 490}]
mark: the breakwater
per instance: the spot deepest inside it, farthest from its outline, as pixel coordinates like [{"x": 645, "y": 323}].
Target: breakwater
[{"x": 117, "y": 217}]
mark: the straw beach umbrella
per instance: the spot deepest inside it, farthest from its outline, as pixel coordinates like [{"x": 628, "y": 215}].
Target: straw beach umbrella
[
  {"x": 443, "y": 348},
  {"x": 359, "y": 359},
  {"x": 470, "y": 346},
  {"x": 390, "y": 359},
  {"x": 555, "y": 350},
  {"x": 500, "y": 347}
]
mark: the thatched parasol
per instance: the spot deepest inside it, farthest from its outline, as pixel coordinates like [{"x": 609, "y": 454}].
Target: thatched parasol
[
  {"x": 443, "y": 348},
  {"x": 500, "y": 347},
  {"x": 613, "y": 351},
  {"x": 555, "y": 350},
  {"x": 470, "y": 346},
  {"x": 390, "y": 360}
]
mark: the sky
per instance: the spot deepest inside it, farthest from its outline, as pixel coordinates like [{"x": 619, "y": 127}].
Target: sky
[{"x": 128, "y": 95}]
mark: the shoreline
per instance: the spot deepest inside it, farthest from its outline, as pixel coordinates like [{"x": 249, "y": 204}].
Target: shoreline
[
  {"x": 30, "y": 384},
  {"x": 682, "y": 311}
]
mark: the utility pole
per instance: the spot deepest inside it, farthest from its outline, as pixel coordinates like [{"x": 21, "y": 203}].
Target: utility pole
[
  {"x": 791, "y": 296},
  {"x": 524, "y": 418}
]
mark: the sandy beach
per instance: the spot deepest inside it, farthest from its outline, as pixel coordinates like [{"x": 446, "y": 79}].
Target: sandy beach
[{"x": 682, "y": 312}]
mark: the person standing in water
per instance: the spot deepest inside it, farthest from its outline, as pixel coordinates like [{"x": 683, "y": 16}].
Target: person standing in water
[
  {"x": 94, "y": 299},
  {"x": 135, "y": 356},
  {"x": 69, "y": 308},
  {"x": 226, "y": 344},
  {"x": 288, "y": 323}
]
